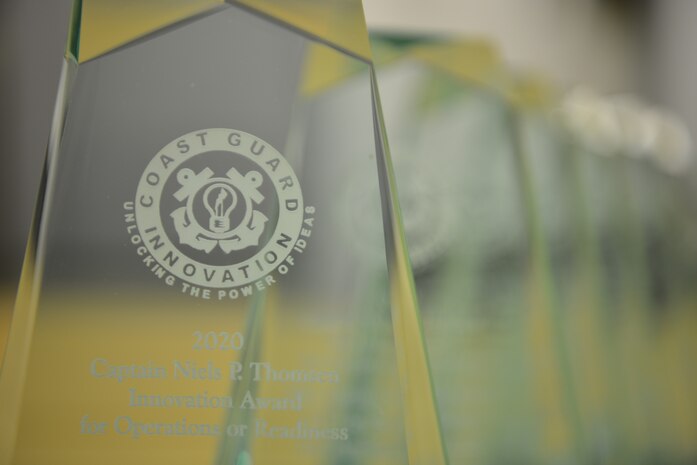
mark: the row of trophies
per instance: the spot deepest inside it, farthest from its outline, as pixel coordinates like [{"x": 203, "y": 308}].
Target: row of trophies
[
  {"x": 265, "y": 238},
  {"x": 555, "y": 254}
]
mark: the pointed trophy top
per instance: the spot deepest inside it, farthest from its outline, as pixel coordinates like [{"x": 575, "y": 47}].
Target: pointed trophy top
[
  {"x": 100, "y": 26},
  {"x": 338, "y": 22}
]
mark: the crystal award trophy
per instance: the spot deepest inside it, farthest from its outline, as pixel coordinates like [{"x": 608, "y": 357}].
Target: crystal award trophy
[
  {"x": 202, "y": 283},
  {"x": 666, "y": 228},
  {"x": 474, "y": 239},
  {"x": 615, "y": 227}
]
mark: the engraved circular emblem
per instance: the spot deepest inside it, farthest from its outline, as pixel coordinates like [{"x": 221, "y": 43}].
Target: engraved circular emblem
[{"x": 219, "y": 208}]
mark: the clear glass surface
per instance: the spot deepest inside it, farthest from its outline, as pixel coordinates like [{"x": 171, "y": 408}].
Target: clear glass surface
[{"x": 213, "y": 264}]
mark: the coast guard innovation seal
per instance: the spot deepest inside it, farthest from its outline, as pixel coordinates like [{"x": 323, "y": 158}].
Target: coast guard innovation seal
[{"x": 219, "y": 210}]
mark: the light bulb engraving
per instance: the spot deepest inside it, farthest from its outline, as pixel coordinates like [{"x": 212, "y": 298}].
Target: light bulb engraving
[
  {"x": 220, "y": 198},
  {"x": 220, "y": 221},
  {"x": 219, "y": 212}
]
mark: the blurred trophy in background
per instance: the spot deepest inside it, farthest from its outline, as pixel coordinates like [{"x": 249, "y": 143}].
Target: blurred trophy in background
[
  {"x": 193, "y": 291},
  {"x": 634, "y": 161},
  {"x": 551, "y": 264},
  {"x": 454, "y": 116}
]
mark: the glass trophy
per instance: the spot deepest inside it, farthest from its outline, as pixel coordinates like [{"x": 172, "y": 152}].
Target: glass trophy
[
  {"x": 575, "y": 271},
  {"x": 216, "y": 271},
  {"x": 603, "y": 210},
  {"x": 475, "y": 244},
  {"x": 640, "y": 222},
  {"x": 666, "y": 224}
]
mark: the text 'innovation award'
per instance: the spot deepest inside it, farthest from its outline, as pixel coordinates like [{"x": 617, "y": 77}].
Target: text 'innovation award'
[{"x": 204, "y": 283}]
